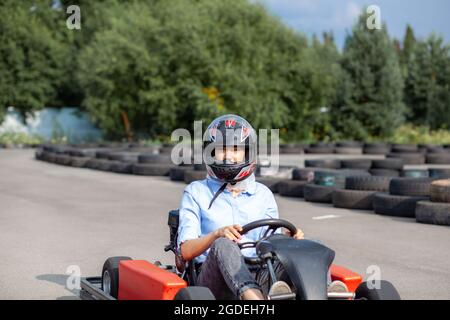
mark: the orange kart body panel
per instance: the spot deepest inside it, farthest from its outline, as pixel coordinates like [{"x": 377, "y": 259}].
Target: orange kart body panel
[
  {"x": 347, "y": 276},
  {"x": 142, "y": 280}
]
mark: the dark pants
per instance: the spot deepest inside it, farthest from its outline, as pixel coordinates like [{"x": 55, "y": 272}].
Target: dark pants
[{"x": 227, "y": 275}]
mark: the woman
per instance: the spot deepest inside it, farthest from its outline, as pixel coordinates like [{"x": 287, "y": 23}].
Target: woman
[{"x": 213, "y": 211}]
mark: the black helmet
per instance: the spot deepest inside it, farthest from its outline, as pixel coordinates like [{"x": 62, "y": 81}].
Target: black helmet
[{"x": 225, "y": 131}]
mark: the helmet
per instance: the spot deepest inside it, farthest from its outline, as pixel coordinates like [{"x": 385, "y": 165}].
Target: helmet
[{"x": 226, "y": 131}]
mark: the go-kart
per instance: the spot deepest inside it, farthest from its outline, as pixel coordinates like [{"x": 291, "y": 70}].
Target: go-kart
[{"x": 306, "y": 263}]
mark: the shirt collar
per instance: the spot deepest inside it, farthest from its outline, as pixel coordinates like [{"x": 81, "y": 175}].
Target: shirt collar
[{"x": 215, "y": 185}]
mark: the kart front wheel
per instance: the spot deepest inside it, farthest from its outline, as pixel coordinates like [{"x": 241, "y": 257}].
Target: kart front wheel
[
  {"x": 110, "y": 275},
  {"x": 385, "y": 291},
  {"x": 194, "y": 293}
]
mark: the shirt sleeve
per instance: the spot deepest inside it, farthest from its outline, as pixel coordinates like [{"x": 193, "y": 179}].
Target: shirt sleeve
[{"x": 189, "y": 221}]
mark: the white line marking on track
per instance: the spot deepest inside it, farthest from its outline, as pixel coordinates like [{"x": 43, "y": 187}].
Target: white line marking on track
[{"x": 329, "y": 216}]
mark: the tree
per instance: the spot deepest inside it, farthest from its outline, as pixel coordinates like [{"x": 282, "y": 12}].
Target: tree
[
  {"x": 157, "y": 59},
  {"x": 371, "y": 88},
  {"x": 427, "y": 90},
  {"x": 32, "y": 58}
]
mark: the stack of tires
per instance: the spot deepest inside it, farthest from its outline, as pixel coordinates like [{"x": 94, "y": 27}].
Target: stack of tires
[
  {"x": 292, "y": 148},
  {"x": 320, "y": 148},
  {"x": 153, "y": 165},
  {"x": 348, "y": 147},
  {"x": 437, "y": 154},
  {"x": 404, "y": 193},
  {"x": 409, "y": 153},
  {"x": 360, "y": 191},
  {"x": 326, "y": 181},
  {"x": 377, "y": 148},
  {"x": 294, "y": 187},
  {"x": 387, "y": 167},
  {"x": 197, "y": 172},
  {"x": 436, "y": 211}
]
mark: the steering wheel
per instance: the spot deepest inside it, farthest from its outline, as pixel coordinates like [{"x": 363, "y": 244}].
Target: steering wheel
[{"x": 272, "y": 224}]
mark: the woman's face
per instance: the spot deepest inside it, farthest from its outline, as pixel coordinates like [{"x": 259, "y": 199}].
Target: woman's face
[{"x": 233, "y": 154}]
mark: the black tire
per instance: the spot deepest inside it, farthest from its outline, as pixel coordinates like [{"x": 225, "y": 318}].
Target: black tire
[
  {"x": 386, "y": 292},
  {"x": 316, "y": 193},
  {"x": 384, "y": 172},
  {"x": 440, "y": 191},
  {"x": 368, "y": 183},
  {"x": 392, "y": 164},
  {"x": 364, "y": 164},
  {"x": 349, "y": 144},
  {"x": 165, "y": 150},
  {"x": 405, "y": 148},
  {"x": 177, "y": 173},
  {"x": 194, "y": 293},
  {"x": 409, "y": 158},
  {"x": 62, "y": 159},
  {"x": 151, "y": 158},
  {"x": 378, "y": 150},
  {"x": 353, "y": 199},
  {"x": 78, "y": 162},
  {"x": 270, "y": 182},
  {"x": 106, "y": 165},
  {"x": 285, "y": 149},
  {"x": 439, "y": 173},
  {"x": 291, "y": 188},
  {"x": 410, "y": 187},
  {"x": 194, "y": 175},
  {"x": 323, "y": 163},
  {"x": 111, "y": 267},
  {"x": 124, "y": 156},
  {"x": 122, "y": 167},
  {"x": 320, "y": 150},
  {"x": 336, "y": 178},
  {"x": 377, "y": 145},
  {"x": 90, "y": 152},
  {"x": 396, "y": 206},
  {"x": 348, "y": 150},
  {"x": 93, "y": 163},
  {"x": 414, "y": 173},
  {"x": 151, "y": 169},
  {"x": 433, "y": 213},
  {"x": 438, "y": 158},
  {"x": 303, "y": 174}
]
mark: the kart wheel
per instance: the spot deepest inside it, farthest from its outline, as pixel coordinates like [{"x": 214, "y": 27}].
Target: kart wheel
[
  {"x": 110, "y": 275},
  {"x": 386, "y": 291},
  {"x": 194, "y": 293}
]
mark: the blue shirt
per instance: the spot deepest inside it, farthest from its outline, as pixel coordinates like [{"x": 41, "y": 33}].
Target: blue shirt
[{"x": 196, "y": 220}]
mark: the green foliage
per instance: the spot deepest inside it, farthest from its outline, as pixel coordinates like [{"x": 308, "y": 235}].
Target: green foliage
[
  {"x": 370, "y": 101},
  {"x": 154, "y": 61},
  {"x": 427, "y": 91},
  {"x": 32, "y": 55},
  {"x": 19, "y": 138},
  {"x": 420, "y": 134}
]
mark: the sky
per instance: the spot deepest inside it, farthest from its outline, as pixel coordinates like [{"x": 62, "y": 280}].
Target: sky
[{"x": 316, "y": 16}]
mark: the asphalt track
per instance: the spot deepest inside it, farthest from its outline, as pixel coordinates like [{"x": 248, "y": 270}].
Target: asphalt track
[{"x": 53, "y": 217}]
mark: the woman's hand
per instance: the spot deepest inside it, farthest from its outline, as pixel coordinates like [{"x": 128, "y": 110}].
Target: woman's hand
[
  {"x": 229, "y": 232},
  {"x": 299, "y": 235}
]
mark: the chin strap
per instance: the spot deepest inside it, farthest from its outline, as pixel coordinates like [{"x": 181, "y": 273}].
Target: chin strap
[{"x": 217, "y": 194}]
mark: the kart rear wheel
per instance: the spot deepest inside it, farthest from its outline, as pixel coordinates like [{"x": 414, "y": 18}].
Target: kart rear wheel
[
  {"x": 386, "y": 291},
  {"x": 110, "y": 275},
  {"x": 194, "y": 293}
]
